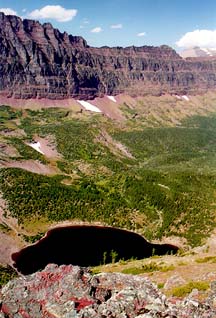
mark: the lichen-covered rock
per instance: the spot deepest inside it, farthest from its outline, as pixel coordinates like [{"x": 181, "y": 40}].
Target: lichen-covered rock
[
  {"x": 73, "y": 292},
  {"x": 38, "y": 61}
]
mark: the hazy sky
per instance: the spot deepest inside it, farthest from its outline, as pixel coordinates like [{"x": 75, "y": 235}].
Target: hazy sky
[{"x": 178, "y": 23}]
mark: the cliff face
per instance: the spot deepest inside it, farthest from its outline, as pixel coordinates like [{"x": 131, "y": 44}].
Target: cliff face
[{"x": 38, "y": 61}]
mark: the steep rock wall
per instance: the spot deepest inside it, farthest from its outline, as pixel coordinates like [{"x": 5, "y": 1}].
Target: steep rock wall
[{"x": 38, "y": 61}]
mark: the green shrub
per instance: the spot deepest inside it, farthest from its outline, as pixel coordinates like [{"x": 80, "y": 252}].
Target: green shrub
[
  {"x": 33, "y": 238},
  {"x": 186, "y": 289},
  {"x": 146, "y": 268},
  {"x": 6, "y": 273},
  {"x": 206, "y": 259},
  {"x": 160, "y": 285},
  {"x": 4, "y": 227},
  {"x": 167, "y": 268}
]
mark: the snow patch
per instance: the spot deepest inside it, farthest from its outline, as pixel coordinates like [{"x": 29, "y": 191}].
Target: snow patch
[
  {"x": 185, "y": 97},
  {"x": 207, "y": 51},
  {"x": 177, "y": 96},
  {"x": 36, "y": 146},
  {"x": 112, "y": 98},
  {"x": 89, "y": 106}
]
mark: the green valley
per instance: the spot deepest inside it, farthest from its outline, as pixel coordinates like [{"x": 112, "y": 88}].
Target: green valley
[{"x": 155, "y": 177}]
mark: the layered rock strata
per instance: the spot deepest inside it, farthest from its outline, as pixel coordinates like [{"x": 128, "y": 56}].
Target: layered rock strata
[{"x": 38, "y": 61}]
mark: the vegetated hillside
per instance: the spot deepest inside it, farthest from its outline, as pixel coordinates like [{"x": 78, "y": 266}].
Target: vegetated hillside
[
  {"x": 145, "y": 173},
  {"x": 38, "y": 61}
]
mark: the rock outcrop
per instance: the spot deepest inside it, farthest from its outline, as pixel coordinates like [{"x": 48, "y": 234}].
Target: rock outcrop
[
  {"x": 38, "y": 61},
  {"x": 71, "y": 291}
]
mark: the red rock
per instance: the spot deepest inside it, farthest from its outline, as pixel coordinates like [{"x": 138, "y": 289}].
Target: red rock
[
  {"x": 38, "y": 61},
  {"x": 100, "y": 295}
]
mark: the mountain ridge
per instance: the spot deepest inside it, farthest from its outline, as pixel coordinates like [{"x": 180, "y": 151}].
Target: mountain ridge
[{"x": 38, "y": 61}]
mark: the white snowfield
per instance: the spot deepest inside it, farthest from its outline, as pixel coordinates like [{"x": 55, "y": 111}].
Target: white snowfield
[
  {"x": 112, "y": 98},
  {"x": 208, "y": 51},
  {"x": 36, "y": 146},
  {"x": 89, "y": 106},
  {"x": 185, "y": 97}
]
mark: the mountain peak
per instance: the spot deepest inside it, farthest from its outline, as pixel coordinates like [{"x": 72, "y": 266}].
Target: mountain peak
[{"x": 198, "y": 52}]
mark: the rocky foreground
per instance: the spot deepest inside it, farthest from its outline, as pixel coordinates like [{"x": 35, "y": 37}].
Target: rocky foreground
[{"x": 71, "y": 291}]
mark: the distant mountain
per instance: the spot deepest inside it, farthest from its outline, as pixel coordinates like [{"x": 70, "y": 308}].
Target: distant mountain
[
  {"x": 38, "y": 61},
  {"x": 198, "y": 52}
]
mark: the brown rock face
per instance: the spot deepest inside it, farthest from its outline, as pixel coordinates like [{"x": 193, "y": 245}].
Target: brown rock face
[{"x": 38, "y": 61}]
